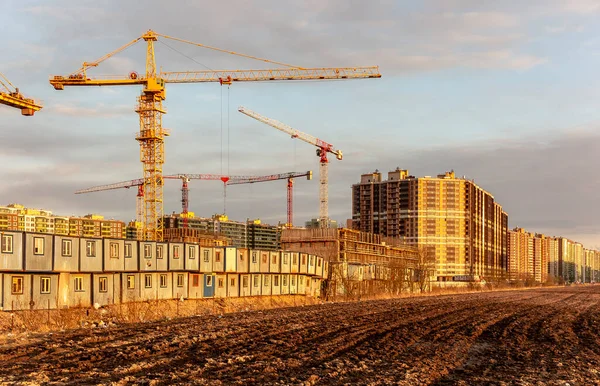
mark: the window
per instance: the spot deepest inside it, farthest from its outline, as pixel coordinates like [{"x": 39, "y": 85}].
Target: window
[
  {"x": 192, "y": 252},
  {"x": 245, "y": 281},
  {"x": 90, "y": 248},
  {"x": 241, "y": 256},
  {"x": 311, "y": 260},
  {"x": 308, "y": 282},
  {"x": 38, "y": 245},
  {"x": 147, "y": 251},
  {"x": 274, "y": 259},
  {"x": 17, "y": 285},
  {"x": 208, "y": 280},
  {"x": 303, "y": 259},
  {"x": 67, "y": 248},
  {"x": 195, "y": 280},
  {"x": 285, "y": 258},
  {"x": 232, "y": 282},
  {"x": 319, "y": 262},
  {"x": 254, "y": 257},
  {"x": 176, "y": 251},
  {"x": 217, "y": 256},
  {"x": 284, "y": 281},
  {"x": 114, "y": 250},
  {"x": 163, "y": 280},
  {"x": 148, "y": 280},
  {"x": 206, "y": 256},
  {"x": 180, "y": 280},
  {"x": 221, "y": 284},
  {"x": 295, "y": 259},
  {"x": 44, "y": 285},
  {"x": 266, "y": 281},
  {"x": 127, "y": 251},
  {"x": 293, "y": 281},
  {"x": 159, "y": 251},
  {"x": 130, "y": 282},
  {"x": 78, "y": 283},
  {"x": 7, "y": 243},
  {"x": 102, "y": 281},
  {"x": 276, "y": 280},
  {"x": 265, "y": 259}
]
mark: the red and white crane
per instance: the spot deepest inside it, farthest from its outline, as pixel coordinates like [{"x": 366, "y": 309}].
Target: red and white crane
[
  {"x": 290, "y": 188},
  {"x": 322, "y": 149}
]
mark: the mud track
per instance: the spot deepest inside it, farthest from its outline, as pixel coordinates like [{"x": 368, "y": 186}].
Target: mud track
[{"x": 546, "y": 336}]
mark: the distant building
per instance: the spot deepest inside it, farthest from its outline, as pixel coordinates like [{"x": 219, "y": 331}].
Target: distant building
[
  {"x": 315, "y": 223},
  {"x": 450, "y": 218},
  {"x": 17, "y": 217}
]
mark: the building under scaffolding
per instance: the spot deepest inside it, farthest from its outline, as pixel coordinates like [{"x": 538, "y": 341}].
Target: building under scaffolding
[{"x": 358, "y": 261}]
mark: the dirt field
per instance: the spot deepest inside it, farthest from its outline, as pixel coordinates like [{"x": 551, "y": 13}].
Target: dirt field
[{"x": 533, "y": 337}]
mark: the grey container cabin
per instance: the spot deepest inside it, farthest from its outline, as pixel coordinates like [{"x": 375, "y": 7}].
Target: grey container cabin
[
  {"x": 38, "y": 252},
  {"x": 90, "y": 255},
  {"x": 66, "y": 254},
  {"x": 114, "y": 255},
  {"x": 11, "y": 251}
]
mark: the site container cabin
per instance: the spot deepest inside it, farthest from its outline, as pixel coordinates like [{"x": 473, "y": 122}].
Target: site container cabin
[
  {"x": 147, "y": 256},
  {"x": 131, "y": 255},
  {"x": 162, "y": 256},
  {"x": 148, "y": 286},
  {"x": 38, "y": 252},
  {"x": 44, "y": 290},
  {"x": 233, "y": 285},
  {"x": 106, "y": 288},
  {"x": 231, "y": 259},
  {"x": 206, "y": 260},
  {"x": 209, "y": 285},
  {"x": 285, "y": 284},
  {"x": 66, "y": 254},
  {"x": 293, "y": 284},
  {"x": 355, "y": 272},
  {"x": 130, "y": 287},
  {"x": 243, "y": 263},
  {"x": 218, "y": 260},
  {"x": 312, "y": 265},
  {"x": 220, "y": 285},
  {"x": 245, "y": 285},
  {"x": 254, "y": 261},
  {"x": 176, "y": 256},
  {"x": 75, "y": 290},
  {"x": 114, "y": 255},
  {"x": 16, "y": 291},
  {"x": 285, "y": 262},
  {"x": 303, "y": 263},
  {"x": 307, "y": 285},
  {"x": 266, "y": 285},
  {"x": 164, "y": 285},
  {"x": 300, "y": 286},
  {"x": 195, "y": 286},
  {"x": 192, "y": 257},
  {"x": 319, "y": 269},
  {"x": 180, "y": 285},
  {"x": 316, "y": 287},
  {"x": 264, "y": 261},
  {"x": 275, "y": 262},
  {"x": 256, "y": 284},
  {"x": 295, "y": 262},
  {"x": 276, "y": 285},
  {"x": 12, "y": 251},
  {"x": 90, "y": 255}
]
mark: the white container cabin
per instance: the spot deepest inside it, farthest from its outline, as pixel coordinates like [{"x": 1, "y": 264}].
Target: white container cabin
[
  {"x": 114, "y": 255},
  {"x": 38, "y": 252},
  {"x": 192, "y": 257},
  {"x": 256, "y": 283},
  {"x": 162, "y": 256},
  {"x": 90, "y": 255},
  {"x": 66, "y": 254},
  {"x": 206, "y": 260}
]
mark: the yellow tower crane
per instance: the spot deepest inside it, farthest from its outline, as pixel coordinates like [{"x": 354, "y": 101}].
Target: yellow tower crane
[
  {"x": 151, "y": 135},
  {"x": 10, "y": 96}
]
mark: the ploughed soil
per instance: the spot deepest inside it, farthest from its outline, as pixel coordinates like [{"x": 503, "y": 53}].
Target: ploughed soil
[{"x": 530, "y": 337}]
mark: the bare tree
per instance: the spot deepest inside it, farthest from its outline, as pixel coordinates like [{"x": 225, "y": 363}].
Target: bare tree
[{"x": 424, "y": 269}]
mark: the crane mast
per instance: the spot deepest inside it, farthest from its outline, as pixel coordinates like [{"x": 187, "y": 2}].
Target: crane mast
[
  {"x": 149, "y": 106},
  {"x": 322, "y": 149}
]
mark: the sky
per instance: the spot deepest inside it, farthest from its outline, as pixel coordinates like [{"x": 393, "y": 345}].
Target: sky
[{"x": 504, "y": 93}]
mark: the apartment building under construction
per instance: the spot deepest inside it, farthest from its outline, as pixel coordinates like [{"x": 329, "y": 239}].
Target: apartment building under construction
[{"x": 450, "y": 218}]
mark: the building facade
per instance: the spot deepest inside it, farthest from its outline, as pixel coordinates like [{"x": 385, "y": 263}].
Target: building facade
[{"x": 450, "y": 219}]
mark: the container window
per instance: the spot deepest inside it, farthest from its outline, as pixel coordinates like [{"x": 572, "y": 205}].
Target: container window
[
  {"x": 147, "y": 251},
  {"x": 17, "y": 285},
  {"x": 276, "y": 280},
  {"x": 114, "y": 250},
  {"x": 130, "y": 282},
  {"x": 217, "y": 256},
  {"x": 256, "y": 281},
  {"x": 303, "y": 259},
  {"x": 245, "y": 281},
  {"x": 90, "y": 248},
  {"x": 7, "y": 243},
  {"x": 221, "y": 283},
  {"x": 128, "y": 251},
  {"x": 206, "y": 256},
  {"x": 67, "y": 248},
  {"x": 176, "y": 251},
  {"x": 266, "y": 281},
  {"x": 195, "y": 280},
  {"x": 148, "y": 280},
  {"x": 284, "y": 281},
  {"x": 163, "y": 280},
  {"x": 78, "y": 283},
  {"x": 254, "y": 257},
  {"x": 45, "y": 285},
  {"x": 159, "y": 251},
  {"x": 241, "y": 256},
  {"x": 274, "y": 259},
  {"x": 102, "y": 284},
  {"x": 209, "y": 281},
  {"x": 180, "y": 280},
  {"x": 232, "y": 282},
  {"x": 192, "y": 252},
  {"x": 295, "y": 259},
  {"x": 265, "y": 259},
  {"x": 38, "y": 245},
  {"x": 285, "y": 258}
]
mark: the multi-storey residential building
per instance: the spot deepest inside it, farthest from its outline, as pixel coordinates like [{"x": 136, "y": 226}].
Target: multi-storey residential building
[
  {"x": 450, "y": 218},
  {"x": 17, "y": 217}
]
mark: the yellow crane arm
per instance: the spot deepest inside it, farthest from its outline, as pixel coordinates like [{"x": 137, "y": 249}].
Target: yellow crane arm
[
  {"x": 13, "y": 98},
  {"x": 228, "y": 76}
]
